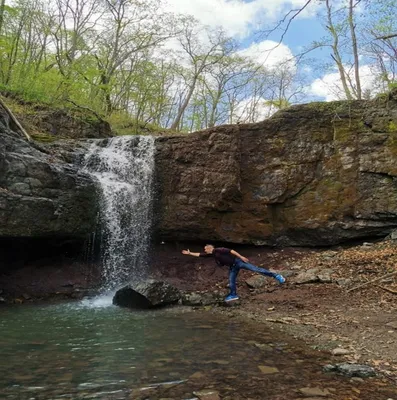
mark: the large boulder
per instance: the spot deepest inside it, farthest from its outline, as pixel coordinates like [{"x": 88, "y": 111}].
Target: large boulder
[
  {"x": 146, "y": 294},
  {"x": 41, "y": 194},
  {"x": 313, "y": 174}
]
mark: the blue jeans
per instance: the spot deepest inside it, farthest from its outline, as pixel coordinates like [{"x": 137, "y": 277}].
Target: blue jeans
[{"x": 235, "y": 269}]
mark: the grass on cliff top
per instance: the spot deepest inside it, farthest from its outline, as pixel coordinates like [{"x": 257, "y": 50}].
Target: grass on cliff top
[
  {"x": 28, "y": 110},
  {"x": 122, "y": 124}
]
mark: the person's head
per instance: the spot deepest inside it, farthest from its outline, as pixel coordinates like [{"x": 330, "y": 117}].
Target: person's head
[{"x": 209, "y": 248}]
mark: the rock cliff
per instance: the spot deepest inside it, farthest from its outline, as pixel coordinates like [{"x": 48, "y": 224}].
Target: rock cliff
[
  {"x": 41, "y": 195},
  {"x": 314, "y": 174}
]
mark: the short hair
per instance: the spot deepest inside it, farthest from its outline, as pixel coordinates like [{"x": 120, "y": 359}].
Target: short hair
[{"x": 209, "y": 245}]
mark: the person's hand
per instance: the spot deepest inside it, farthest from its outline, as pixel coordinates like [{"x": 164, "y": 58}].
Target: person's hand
[
  {"x": 245, "y": 259},
  {"x": 187, "y": 252}
]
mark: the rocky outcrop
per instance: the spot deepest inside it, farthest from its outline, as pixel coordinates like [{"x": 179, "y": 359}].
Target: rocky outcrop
[
  {"x": 146, "y": 294},
  {"x": 314, "y": 174},
  {"x": 41, "y": 195}
]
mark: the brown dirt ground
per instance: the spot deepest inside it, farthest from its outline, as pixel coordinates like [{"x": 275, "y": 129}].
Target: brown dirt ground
[{"x": 325, "y": 316}]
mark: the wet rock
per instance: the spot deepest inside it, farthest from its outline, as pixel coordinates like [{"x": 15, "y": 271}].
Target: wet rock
[
  {"x": 191, "y": 299},
  {"x": 314, "y": 392},
  {"x": 256, "y": 281},
  {"x": 197, "y": 375},
  {"x": 340, "y": 352},
  {"x": 268, "y": 370},
  {"x": 196, "y": 299},
  {"x": 263, "y": 346},
  {"x": 356, "y": 379},
  {"x": 147, "y": 294},
  {"x": 358, "y": 370},
  {"x": 207, "y": 394}
]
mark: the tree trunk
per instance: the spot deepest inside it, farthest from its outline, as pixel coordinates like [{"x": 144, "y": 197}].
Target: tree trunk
[
  {"x": 182, "y": 108},
  {"x": 214, "y": 107},
  {"x": 336, "y": 56},
  {"x": 2, "y": 7},
  {"x": 355, "y": 51}
]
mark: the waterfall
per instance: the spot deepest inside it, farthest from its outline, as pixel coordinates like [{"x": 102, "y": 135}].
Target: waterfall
[{"x": 124, "y": 169}]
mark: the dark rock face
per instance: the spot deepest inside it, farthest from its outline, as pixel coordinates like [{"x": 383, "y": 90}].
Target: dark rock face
[
  {"x": 40, "y": 194},
  {"x": 146, "y": 294},
  {"x": 314, "y": 174}
]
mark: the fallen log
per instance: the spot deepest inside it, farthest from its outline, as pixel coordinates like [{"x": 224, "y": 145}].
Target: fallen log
[{"x": 14, "y": 119}]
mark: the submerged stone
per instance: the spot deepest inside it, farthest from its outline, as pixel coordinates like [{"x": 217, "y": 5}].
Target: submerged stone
[
  {"x": 314, "y": 392},
  {"x": 207, "y": 395},
  {"x": 268, "y": 370}
]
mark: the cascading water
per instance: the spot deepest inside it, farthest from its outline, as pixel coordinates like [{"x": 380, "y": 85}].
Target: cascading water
[{"x": 124, "y": 169}]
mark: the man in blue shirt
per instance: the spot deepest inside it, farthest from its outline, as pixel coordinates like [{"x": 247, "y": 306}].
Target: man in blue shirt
[{"x": 235, "y": 262}]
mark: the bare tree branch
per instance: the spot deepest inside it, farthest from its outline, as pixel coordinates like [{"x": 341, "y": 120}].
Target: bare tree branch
[{"x": 393, "y": 35}]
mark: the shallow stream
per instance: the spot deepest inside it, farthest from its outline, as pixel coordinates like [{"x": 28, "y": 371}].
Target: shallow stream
[{"x": 92, "y": 350}]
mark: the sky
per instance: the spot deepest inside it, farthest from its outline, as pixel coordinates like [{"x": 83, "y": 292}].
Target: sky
[{"x": 246, "y": 19}]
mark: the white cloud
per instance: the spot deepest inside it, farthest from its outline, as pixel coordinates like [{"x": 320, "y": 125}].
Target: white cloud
[
  {"x": 268, "y": 53},
  {"x": 330, "y": 85},
  {"x": 252, "y": 110},
  {"x": 237, "y": 17}
]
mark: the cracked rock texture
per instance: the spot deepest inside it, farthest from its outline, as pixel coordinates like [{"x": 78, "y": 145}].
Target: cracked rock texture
[
  {"x": 314, "y": 174},
  {"x": 41, "y": 194}
]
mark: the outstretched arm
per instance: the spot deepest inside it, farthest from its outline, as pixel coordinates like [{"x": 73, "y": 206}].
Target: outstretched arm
[
  {"x": 189, "y": 253},
  {"x": 242, "y": 258}
]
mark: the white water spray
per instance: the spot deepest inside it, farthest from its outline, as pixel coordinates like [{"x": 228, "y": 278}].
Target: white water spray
[{"x": 124, "y": 168}]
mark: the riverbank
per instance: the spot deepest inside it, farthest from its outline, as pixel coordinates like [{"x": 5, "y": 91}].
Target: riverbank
[{"x": 320, "y": 303}]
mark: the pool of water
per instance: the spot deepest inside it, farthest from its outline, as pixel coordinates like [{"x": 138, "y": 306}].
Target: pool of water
[{"x": 91, "y": 350}]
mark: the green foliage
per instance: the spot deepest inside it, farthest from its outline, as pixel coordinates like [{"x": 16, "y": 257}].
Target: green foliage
[
  {"x": 121, "y": 72},
  {"x": 122, "y": 124}
]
